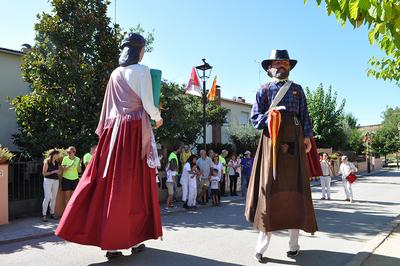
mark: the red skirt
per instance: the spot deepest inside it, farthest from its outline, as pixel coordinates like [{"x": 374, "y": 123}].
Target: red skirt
[
  {"x": 122, "y": 209},
  {"x": 313, "y": 163}
]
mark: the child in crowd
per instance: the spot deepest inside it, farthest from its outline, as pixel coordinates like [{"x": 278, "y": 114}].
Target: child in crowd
[
  {"x": 194, "y": 173},
  {"x": 171, "y": 182},
  {"x": 214, "y": 178}
]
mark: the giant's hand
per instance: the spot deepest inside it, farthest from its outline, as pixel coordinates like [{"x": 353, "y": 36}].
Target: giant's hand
[
  {"x": 307, "y": 142},
  {"x": 159, "y": 123}
]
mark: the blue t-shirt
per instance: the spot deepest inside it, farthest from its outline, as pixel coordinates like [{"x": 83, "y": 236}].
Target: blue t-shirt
[{"x": 247, "y": 164}]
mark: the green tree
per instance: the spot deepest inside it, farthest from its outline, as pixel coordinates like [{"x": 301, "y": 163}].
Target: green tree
[
  {"x": 387, "y": 138},
  {"x": 355, "y": 141},
  {"x": 381, "y": 143},
  {"x": 76, "y": 49},
  {"x": 244, "y": 137},
  {"x": 383, "y": 20},
  {"x": 327, "y": 116},
  {"x": 351, "y": 121},
  {"x": 353, "y": 137},
  {"x": 183, "y": 115}
]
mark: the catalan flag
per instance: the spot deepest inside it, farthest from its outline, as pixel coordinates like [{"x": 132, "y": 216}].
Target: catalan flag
[
  {"x": 274, "y": 122},
  {"x": 213, "y": 90}
]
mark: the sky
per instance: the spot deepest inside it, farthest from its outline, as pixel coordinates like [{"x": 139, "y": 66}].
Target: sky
[{"x": 233, "y": 36}]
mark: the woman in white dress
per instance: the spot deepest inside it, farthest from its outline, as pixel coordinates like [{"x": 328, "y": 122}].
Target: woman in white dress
[{"x": 185, "y": 179}]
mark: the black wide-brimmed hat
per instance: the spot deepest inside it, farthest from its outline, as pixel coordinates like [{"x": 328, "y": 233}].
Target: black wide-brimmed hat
[
  {"x": 278, "y": 55},
  {"x": 131, "y": 45}
]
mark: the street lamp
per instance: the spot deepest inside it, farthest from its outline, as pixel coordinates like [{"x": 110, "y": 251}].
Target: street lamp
[
  {"x": 204, "y": 67},
  {"x": 367, "y": 139}
]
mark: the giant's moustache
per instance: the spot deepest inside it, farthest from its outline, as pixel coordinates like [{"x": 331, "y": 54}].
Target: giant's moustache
[{"x": 280, "y": 73}]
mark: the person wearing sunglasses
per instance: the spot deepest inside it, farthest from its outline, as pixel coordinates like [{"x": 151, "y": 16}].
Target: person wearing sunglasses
[{"x": 71, "y": 166}]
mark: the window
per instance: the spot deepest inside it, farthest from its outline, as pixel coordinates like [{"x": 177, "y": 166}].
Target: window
[
  {"x": 228, "y": 119},
  {"x": 244, "y": 118}
]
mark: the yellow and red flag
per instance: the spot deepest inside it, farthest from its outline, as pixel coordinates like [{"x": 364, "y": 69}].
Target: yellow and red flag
[
  {"x": 274, "y": 122},
  {"x": 211, "y": 94}
]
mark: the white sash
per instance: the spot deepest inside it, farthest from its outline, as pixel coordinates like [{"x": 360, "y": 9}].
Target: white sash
[{"x": 279, "y": 96}]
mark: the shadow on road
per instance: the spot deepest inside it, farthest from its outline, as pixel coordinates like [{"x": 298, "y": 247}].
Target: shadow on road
[
  {"x": 338, "y": 219},
  {"x": 30, "y": 244},
  {"x": 153, "y": 256},
  {"x": 226, "y": 216},
  {"x": 327, "y": 258},
  {"x": 353, "y": 221}
]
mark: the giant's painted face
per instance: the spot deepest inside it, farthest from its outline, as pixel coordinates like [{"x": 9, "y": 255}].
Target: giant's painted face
[{"x": 280, "y": 69}]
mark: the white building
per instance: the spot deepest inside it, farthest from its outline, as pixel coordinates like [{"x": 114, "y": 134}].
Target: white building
[
  {"x": 11, "y": 85},
  {"x": 239, "y": 114}
]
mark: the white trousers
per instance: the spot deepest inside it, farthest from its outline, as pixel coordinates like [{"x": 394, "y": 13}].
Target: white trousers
[
  {"x": 264, "y": 239},
  {"x": 347, "y": 189},
  {"x": 192, "y": 193},
  {"x": 326, "y": 186},
  {"x": 50, "y": 187},
  {"x": 185, "y": 190}
]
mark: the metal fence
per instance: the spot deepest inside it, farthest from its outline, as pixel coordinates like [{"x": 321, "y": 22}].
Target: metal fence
[{"x": 25, "y": 188}]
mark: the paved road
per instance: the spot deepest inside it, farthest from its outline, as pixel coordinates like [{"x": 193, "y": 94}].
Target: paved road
[{"x": 221, "y": 236}]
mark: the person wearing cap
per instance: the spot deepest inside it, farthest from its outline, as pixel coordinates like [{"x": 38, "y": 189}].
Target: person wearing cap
[
  {"x": 115, "y": 205},
  {"x": 246, "y": 165},
  {"x": 279, "y": 193}
]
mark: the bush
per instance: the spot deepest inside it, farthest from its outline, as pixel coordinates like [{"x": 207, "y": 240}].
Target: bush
[
  {"x": 244, "y": 138},
  {"x": 5, "y": 154}
]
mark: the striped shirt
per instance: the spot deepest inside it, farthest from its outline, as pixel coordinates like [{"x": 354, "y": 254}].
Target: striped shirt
[{"x": 294, "y": 101}]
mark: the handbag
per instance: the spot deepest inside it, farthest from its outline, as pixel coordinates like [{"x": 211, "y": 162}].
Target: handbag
[{"x": 351, "y": 178}]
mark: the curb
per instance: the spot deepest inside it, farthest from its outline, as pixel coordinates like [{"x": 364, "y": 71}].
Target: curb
[
  {"x": 374, "y": 243},
  {"x": 162, "y": 213}
]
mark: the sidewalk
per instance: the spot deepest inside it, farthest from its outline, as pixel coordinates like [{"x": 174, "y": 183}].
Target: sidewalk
[
  {"x": 33, "y": 227},
  {"x": 382, "y": 250},
  {"x": 388, "y": 253}
]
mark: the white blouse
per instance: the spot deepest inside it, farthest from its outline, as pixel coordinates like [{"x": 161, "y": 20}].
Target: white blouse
[
  {"x": 218, "y": 167},
  {"x": 185, "y": 174},
  {"x": 326, "y": 171},
  {"x": 139, "y": 79},
  {"x": 346, "y": 169}
]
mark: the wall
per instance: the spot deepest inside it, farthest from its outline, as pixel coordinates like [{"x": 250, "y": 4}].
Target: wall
[
  {"x": 209, "y": 137},
  {"x": 236, "y": 116},
  {"x": 3, "y": 194},
  {"x": 376, "y": 164},
  {"x": 11, "y": 85}
]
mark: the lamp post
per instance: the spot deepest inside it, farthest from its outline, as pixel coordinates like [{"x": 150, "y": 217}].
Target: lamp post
[
  {"x": 204, "y": 67},
  {"x": 367, "y": 139}
]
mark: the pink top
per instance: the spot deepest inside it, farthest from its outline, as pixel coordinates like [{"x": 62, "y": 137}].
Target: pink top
[{"x": 122, "y": 103}]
